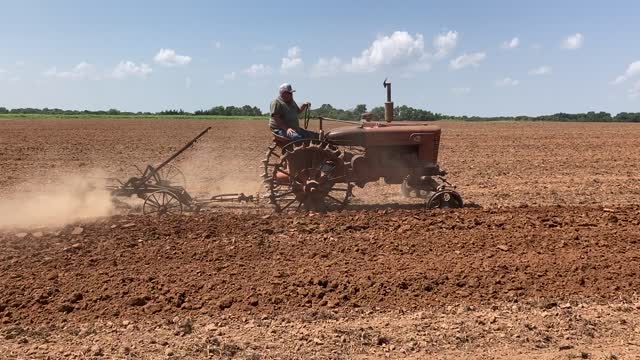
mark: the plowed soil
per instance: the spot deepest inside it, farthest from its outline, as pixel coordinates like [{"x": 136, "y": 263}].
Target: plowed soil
[{"x": 543, "y": 264}]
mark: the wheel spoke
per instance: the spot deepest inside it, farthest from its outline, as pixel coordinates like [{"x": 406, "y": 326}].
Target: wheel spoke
[
  {"x": 289, "y": 204},
  {"x": 174, "y": 204},
  {"x": 171, "y": 199},
  {"x": 155, "y": 200}
]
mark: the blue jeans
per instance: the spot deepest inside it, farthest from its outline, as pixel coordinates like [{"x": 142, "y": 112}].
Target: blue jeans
[{"x": 300, "y": 134}]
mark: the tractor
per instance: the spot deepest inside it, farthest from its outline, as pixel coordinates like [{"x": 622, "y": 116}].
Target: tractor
[{"x": 319, "y": 174}]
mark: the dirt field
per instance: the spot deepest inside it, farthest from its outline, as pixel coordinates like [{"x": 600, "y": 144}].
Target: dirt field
[{"x": 543, "y": 265}]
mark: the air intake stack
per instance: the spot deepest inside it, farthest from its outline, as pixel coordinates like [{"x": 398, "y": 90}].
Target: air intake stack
[{"x": 388, "y": 106}]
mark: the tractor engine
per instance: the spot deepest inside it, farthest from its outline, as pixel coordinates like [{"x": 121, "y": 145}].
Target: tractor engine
[{"x": 393, "y": 151}]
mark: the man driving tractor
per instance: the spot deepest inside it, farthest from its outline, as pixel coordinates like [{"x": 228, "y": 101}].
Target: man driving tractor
[{"x": 284, "y": 120}]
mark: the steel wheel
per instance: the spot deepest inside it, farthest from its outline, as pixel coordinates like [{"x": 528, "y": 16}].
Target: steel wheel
[
  {"x": 310, "y": 176},
  {"x": 170, "y": 175},
  {"x": 445, "y": 199},
  {"x": 162, "y": 202},
  {"x": 269, "y": 163}
]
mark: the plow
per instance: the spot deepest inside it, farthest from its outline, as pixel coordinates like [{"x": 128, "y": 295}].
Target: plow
[
  {"x": 317, "y": 174},
  {"x": 163, "y": 188}
]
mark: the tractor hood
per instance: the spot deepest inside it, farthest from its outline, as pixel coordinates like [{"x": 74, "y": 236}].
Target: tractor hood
[{"x": 383, "y": 134}]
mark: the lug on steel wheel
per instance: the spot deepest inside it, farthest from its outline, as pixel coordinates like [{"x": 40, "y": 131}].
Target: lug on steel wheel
[
  {"x": 170, "y": 175},
  {"x": 162, "y": 202},
  {"x": 445, "y": 199},
  {"x": 269, "y": 163},
  {"x": 309, "y": 176}
]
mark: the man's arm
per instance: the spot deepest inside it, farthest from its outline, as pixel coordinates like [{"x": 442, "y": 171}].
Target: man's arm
[
  {"x": 289, "y": 131},
  {"x": 304, "y": 107}
]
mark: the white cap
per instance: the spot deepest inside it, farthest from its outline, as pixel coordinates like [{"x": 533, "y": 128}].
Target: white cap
[{"x": 285, "y": 88}]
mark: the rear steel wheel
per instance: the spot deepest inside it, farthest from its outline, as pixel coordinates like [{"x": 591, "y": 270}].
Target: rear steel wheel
[
  {"x": 269, "y": 163},
  {"x": 310, "y": 176},
  {"x": 162, "y": 202}
]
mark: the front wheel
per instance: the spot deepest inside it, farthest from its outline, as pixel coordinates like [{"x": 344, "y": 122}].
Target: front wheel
[{"x": 445, "y": 199}]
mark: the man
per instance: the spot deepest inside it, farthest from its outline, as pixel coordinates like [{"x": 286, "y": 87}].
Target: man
[{"x": 284, "y": 120}]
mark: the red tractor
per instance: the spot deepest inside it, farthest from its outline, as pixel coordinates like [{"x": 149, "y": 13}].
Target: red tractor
[{"x": 319, "y": 174}]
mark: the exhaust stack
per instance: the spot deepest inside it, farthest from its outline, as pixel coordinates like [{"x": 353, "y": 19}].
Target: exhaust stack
[{"x": 388, "y": 105}]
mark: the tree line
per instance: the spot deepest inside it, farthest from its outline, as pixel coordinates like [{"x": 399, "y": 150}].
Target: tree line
[
  {"x": 245, "y": 110},
  {"x": 400, "y": 113}
]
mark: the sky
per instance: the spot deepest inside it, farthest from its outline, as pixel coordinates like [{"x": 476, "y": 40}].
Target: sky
[{"x": 486, "y": 58}]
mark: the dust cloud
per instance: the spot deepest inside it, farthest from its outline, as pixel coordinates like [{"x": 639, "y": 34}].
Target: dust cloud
[
  {"x": 208, "y": 172},
  {"x": 61, "y": 202}
]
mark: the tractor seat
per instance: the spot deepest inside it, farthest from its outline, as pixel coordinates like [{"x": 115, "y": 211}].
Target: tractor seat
[{"x": 280, "y": 141}]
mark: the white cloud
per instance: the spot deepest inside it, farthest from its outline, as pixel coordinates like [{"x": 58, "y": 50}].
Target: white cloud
[
  {"x": 187, "y": 82},
  {"x": 634, "y": 92},
  {"x": 292, "y": 61},
  {"x": 542, "y": 70},
  {"x": 465, "y": 60},
  {"x": 168, "y": 57},
  {"x": 632, "y": 70},
  {"x": 461, "y": 90},
  {"x": 445, "y": 43},
  {"x": 218, "y": 44},
  {"x": 511, "y": 44},
  {"x": 507, "y": 82},
  {"x": 326, "y": 67},
  {"x": 126, "y": 69},
  {"x": 573, "y": 42},
  {"x": 258, "y": 70},
  {"x": 82, "y": 71},
  {"x": 399, "y": 47}
]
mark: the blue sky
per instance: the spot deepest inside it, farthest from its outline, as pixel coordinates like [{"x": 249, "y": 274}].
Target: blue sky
[{"x": 461, "y": 58}]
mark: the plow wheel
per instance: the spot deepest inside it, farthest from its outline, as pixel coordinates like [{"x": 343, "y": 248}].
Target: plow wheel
[
  {"x": 310, "y": 176},
  {"x": 162, "y": 202},
  {"x": 445, "y": 199},
  {"x": 170, "y": 175}
]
